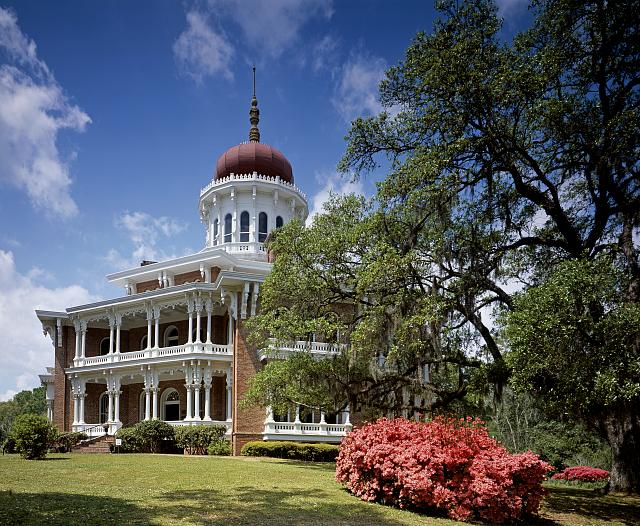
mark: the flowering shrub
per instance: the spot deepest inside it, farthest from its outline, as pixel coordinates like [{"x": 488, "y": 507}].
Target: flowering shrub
[
  {"x": 445, "y": 465},
  {"x": 582, "y": 474}
]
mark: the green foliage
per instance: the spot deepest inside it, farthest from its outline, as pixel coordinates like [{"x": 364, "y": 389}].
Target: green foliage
[
  {"x": 9, "y": 445},
  {"x": 292, "y": 450},
  {"x": 149, "y": 436},
  {"x": 219, "y": 447},
  {"x": 573, "y": 340},
  {"x": 66, "y": 441},
  {"x": 33, "y": 435},
  {"x": 196, "y": 439},
  {"x": 32, "y": 402}
]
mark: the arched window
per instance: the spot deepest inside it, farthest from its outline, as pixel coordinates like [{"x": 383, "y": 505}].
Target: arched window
[
  {"x": 203, "y": 334},
  {"x": 171, "y": 405},
  {"x": 104, "y": 408},
  {"x": 215, "y": 231},
  {"x": 104, "y": 346},
  {"x": 262, "y": 227},
  {"x": 171, "y": 336},
  {"x": 279, "y": 222},
  {"x": 228, "y": 219},
  {"x": 244, "y": 227},
  {"x": 143, "y": 343}
]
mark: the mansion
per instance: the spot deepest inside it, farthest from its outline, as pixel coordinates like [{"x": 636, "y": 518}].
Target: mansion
[{"x": 174, "y": 345}]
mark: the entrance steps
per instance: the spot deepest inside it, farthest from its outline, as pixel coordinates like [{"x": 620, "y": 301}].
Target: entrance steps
[{"x": 95, "y": 445}]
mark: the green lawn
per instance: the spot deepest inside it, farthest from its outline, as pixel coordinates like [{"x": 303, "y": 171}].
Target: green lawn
[{"x": 161, "y": 490}]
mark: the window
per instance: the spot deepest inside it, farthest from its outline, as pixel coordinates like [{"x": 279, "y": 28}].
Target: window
[
  {"x": 143, "y": 343},
  {"x": 171, "y": 336},
  {"x": 104, "y": 408},
  {"x": 262, "y": 227},
  {"x": 104, "y": 346},
  {"x": 171, "y": 405},
  {"x": 279, "y": 222},
  {"x": 215, "y": 231},
  {"x": 227, "y": 228},
  {"x": 244, "y": 227}
]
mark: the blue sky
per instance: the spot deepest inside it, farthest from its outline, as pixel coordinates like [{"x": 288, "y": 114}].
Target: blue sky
[{"x": 112, "y": 116}]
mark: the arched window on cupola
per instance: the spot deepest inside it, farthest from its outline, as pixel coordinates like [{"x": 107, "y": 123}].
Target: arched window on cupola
[
  {"x": 262, "y": 227},
  {"x": 279, "y": 222},
  {"x": 227, "y": 228},
  {"x": 244, "y": 227},
  {"x": 215, "y": 231}
]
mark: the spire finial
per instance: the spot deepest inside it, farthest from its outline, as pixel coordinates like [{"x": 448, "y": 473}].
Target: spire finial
[{"x": 254, "y": 114}]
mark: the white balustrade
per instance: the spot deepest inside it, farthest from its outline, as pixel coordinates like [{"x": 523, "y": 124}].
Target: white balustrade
[
  {"x": 208, "y": 349},
  {"x": 252, "y": 177}
]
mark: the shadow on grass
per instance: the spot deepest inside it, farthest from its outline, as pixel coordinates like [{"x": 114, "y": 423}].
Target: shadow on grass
[
  {"x": 271, "y": 506},
  {"x": 589, "y": 503},
  {"x": 63, "y": 509}
]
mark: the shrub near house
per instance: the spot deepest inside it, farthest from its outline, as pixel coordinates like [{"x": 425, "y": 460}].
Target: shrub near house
[
  {"x": 33, "y": 435},
  {"x": 446, "y": 465}
]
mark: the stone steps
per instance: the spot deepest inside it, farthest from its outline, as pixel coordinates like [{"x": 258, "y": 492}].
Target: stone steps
[{"x": 95, "y": 445}]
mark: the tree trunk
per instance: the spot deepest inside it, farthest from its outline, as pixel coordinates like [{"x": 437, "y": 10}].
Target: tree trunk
[{"x": 622, "y": 428}]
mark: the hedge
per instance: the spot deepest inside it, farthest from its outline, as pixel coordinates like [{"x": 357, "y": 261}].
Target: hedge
[
  {"x": 149, "y": 436},
  {"x": 196, "y": 439},
  {"x": 292, "y": 450}
]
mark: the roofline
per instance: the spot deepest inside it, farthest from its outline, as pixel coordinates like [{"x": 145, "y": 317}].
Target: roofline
[
  {"x": 51, "y": 314},
  {"x": 185, "y": 287},
  {"x": 208, "y": 253}
]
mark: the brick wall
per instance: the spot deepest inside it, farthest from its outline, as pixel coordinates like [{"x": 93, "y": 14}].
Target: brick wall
[
  {"x": 248, "y": 423},
  {"x": 144, "y": 286},
  {"x": 187, "y": 277}
]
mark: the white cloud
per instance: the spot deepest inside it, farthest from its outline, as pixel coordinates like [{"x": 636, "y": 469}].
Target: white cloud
[
  {"x": 272, "y": 26},
  {"x": 508, "y": 7},
  {"x": 33, "y": 110},
  {"x": 356, "y": 93},
  {"x": 200, "y": 51},
  {"x": 144, "y": 231},
  {"x": 25, "y": 350},
  {"x": 324, "y": 54},
  {"x": 333, "y": 184}
]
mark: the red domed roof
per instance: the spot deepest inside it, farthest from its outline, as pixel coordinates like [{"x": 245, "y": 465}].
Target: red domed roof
[{"x": 254, "y": 157}]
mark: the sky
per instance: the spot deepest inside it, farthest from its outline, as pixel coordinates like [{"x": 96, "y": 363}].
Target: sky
[{"x": 113, "y": 114}]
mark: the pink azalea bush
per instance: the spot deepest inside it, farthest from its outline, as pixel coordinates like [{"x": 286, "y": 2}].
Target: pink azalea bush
[
  {"x": 582, "y": 474},
  {"x": 446, "y": 465}
]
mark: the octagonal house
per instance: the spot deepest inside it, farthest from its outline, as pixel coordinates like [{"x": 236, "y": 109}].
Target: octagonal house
[{"x": 174, "y": 346}]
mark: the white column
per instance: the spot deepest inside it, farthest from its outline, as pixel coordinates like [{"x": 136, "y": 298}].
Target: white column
[
  {"x": 82, "y": 395},
  {"x": 198, "y": 305},
  {"x": 116, "y": 396},
  {"x": 207, "y": 402},
  {"x": 112, "y": 322},
  {"x": 190, "y": 311},
  {"x": 147, "y": 403},
  {"x": 155, "y": 403},
  {"x": 110, "y": 408},
  {"x": 76, "y": 326},
  {"x": 229, "y": 395},
  {"x": 196, "y": 399},
  {"x": 76, "y": 409},
  {"x": 208, "y": 306},
  {"x": 156, "y": 319},
  {"x": 83, "y": 328},
  {"x": 297, "y": 420},
  {"x": 230, "y": 330},
  {"x": 149, "y": 321},
  {"x": 50, "y": 410},
  {"x": 189, "y": 414},
  {"x": 118, "y": 324}
]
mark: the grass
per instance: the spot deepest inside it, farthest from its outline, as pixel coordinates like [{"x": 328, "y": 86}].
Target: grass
[{"x": 166, "y": 490}]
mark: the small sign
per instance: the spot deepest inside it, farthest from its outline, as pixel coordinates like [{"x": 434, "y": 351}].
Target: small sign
[{"x": 118, "y": 441}]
